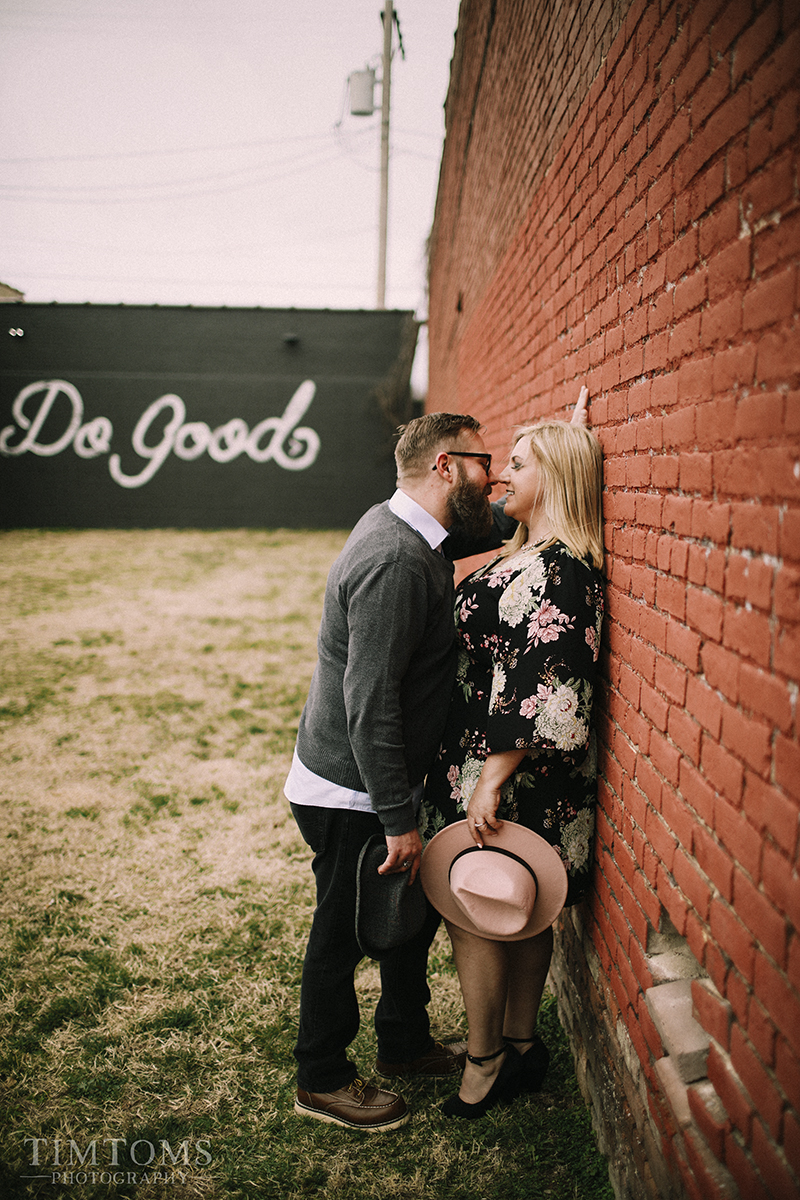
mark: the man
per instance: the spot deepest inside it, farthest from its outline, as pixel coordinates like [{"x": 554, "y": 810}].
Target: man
[{"x": 369, "y": 732}]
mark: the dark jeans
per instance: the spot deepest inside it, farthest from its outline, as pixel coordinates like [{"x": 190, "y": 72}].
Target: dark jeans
[{"x": 329, "y": 1017}]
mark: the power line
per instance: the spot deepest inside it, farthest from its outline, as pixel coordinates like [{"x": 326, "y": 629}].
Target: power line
[
  {"x": 127, "y": 281},
  {"x": 132, "y": 193},
  {"x": 56, "y": 195},
  {"x": 300, "y": 159},
  {"x": 209, "y": 148},
  {"x": 248, "y": 248},
  {"x": 167, "y": 153}
]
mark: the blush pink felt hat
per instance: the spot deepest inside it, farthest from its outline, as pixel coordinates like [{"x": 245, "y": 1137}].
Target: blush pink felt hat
[{"x": 512, "y": 888}]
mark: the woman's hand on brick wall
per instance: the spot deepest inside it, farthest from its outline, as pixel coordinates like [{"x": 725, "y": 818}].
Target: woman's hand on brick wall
[{"x": 581, "y": 415}]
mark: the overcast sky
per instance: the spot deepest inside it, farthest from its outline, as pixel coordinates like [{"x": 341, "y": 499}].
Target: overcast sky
[{"x": 202, "y": 152}]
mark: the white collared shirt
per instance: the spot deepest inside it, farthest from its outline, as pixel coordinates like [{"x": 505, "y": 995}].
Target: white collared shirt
[
  {"x": 418, "y": 518},
  {"x": 303, "y": 786}
]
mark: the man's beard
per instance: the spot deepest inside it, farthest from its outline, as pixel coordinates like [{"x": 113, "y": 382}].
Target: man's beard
[{"x": 468, "y": 508}]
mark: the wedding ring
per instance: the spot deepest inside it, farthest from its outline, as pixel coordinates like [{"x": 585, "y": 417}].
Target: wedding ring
[
  {"x": 407, "y": 862},
  {"x": 479, "y": 824}
]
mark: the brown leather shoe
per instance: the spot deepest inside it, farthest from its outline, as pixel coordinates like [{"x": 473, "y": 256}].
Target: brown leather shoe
[
  {"x": 440, "y": 1060},
  {"x": 357, "y": 1106}
]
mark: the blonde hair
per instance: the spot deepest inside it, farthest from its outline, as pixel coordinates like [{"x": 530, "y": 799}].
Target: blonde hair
[{"x": 570, "y": 460}]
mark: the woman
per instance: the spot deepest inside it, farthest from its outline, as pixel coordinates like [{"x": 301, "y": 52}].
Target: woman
[{"x": 518, "y": 744}]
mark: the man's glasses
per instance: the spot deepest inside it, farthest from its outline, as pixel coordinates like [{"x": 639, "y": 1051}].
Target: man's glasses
[{"x": 485, "y": 459}]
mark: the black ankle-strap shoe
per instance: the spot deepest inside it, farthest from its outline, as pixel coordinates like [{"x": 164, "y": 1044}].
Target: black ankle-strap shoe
[
  {"x": 533, "y": 1063},
  {"x": 504, "y": 1088}
]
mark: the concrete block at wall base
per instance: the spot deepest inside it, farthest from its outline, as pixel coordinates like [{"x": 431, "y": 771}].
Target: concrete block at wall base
[
  {"x": 674, "y": 964},
  {"x": 685, "y": 1041},
  {"x": 676, "y": 1092}
]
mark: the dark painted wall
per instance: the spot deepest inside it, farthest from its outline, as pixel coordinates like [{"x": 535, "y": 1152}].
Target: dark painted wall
[{"x": 121, "y": 417}]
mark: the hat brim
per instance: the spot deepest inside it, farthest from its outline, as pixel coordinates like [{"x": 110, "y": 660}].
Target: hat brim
[{"x": 543, "y": 859}]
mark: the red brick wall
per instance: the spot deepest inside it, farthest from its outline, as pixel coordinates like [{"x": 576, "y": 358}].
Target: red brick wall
[{"x": 619, "y": 205}]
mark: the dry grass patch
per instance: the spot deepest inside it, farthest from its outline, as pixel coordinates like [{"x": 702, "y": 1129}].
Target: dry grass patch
[{"x": 156, "y": 895}]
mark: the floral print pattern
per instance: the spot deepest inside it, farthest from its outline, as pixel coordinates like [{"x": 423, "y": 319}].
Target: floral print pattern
[{"x": 529, "y": 640}]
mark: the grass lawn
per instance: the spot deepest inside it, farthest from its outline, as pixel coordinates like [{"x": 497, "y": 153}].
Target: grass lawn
[{"x": 156, "y": 897}]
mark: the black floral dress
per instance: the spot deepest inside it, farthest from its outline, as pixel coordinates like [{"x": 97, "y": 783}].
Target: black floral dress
[{"x": 529, "y": 639}]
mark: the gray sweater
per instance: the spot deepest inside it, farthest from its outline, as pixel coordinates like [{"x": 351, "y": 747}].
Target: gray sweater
[{"x": 381, "y": 689}]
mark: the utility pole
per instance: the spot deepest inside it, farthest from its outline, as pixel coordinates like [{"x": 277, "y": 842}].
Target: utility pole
[
  {"x": 362, "y": 92},
  {"x": 388, "y": 30}
]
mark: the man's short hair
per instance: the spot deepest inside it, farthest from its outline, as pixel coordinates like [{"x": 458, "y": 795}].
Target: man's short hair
[{"x": 421, "y": 438}]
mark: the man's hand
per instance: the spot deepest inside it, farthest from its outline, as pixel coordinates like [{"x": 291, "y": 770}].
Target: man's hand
[
  {"x": 404, "y": 854},
  {"x": 581, "y": 416}
]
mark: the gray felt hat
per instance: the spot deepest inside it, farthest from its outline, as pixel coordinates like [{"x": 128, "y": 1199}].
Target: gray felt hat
[{"x": 388, "y": 911}]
